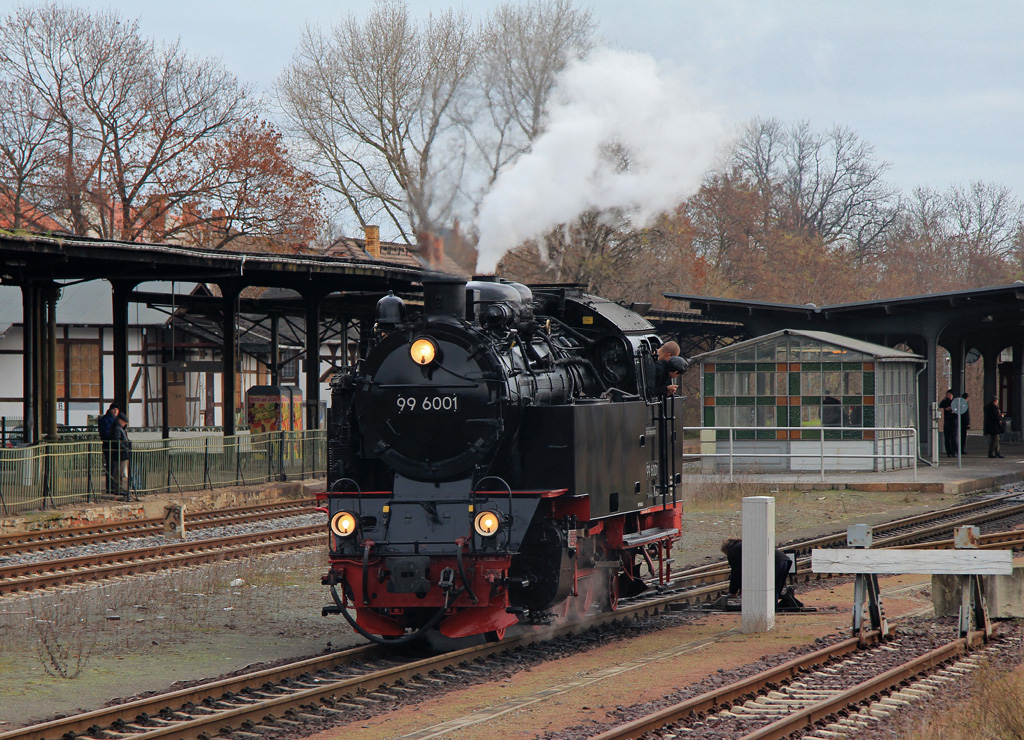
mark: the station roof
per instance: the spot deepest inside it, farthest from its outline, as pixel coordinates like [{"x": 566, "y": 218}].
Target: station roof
[
  {"x": 978, "y": 317},
  {"x": 878, "y": 351},
  {"x": 30, "y": 257}
]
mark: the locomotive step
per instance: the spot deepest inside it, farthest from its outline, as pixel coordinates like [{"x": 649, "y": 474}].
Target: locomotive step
[{"x": 647, "y": 535}]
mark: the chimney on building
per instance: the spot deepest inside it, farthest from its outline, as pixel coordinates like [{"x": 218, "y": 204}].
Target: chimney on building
[{"x": 372, "y": 241}]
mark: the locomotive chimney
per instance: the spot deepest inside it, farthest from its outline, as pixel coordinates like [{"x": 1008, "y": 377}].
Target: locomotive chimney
[
  {"x": 372, "y": 241},
  {"x": 444, "y": 297}
]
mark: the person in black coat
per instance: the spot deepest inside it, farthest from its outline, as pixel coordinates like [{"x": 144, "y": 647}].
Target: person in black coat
[
  {"x": 993, "y": 426},
  {"x": 105, "y": 427},
  {"x": 123, "y": 453},
  {"x": 733, "y": 550},
  {"x": 948, "y": 423}
]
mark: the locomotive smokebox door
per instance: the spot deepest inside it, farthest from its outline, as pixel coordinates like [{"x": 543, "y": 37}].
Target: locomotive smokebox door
[{"x": 408, "y": 574}]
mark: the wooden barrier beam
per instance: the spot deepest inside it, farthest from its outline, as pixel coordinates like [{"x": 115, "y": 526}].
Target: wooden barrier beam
[{"x": 895, "y": 562}]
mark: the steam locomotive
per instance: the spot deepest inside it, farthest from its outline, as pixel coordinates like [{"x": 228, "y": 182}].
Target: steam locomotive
[{"x": 499, "y": 457}]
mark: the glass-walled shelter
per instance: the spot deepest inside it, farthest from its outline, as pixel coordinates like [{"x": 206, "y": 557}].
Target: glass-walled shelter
[{"x": 792, "y": 390}]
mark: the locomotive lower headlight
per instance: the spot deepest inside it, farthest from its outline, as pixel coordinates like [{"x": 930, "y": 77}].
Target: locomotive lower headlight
[
  {"x": 343, "y": 524},
  {"x": 487, "y": 523}
]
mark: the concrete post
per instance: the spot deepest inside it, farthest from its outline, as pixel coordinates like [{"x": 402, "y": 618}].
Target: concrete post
[
  {"x": 174, "y": 522},
  {"x": 758, "y": 614}
]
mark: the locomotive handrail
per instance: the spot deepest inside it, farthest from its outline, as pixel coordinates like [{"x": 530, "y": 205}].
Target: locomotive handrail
[
  {"x": 473, "y": 494},
  {"x": 359, "y": 494}
]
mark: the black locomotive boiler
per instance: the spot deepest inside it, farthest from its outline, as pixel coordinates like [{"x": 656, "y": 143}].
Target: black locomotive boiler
[{"x": 500, "y": 457}]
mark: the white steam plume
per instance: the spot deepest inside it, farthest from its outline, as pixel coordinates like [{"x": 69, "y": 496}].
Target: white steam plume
[{"x": 613, "y": 99}]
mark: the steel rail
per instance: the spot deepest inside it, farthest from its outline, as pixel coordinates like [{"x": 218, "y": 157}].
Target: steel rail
[
  {"x": 808, "y": 716},
  {"x": 726, "y": 695},
  {"x": 26, "y": 577},
  {"x": 74, "y": 536},
  {"x": 250, "y": 710}
]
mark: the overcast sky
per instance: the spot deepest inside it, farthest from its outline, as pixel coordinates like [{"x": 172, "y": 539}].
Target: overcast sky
[{"x": 937, "y": 87}]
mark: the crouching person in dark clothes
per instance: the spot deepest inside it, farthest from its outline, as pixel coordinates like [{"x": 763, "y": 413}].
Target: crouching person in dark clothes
[{"x": 733, "y": 550}]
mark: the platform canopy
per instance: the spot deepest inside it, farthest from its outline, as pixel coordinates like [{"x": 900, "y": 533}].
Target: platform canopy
[{"x": 972, "y": 324}]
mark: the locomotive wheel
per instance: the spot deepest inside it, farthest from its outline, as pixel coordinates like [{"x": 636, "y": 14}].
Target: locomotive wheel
[
  {"x": 612, "y": 597},
  {"x": 495, "y": 635}
]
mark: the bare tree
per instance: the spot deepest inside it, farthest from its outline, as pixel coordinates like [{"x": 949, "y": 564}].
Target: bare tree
[
  {"x": 826, "y": 186},
  {"x": 130, "y": 130},
  {"x": 373, "y": 102},
  {"x": 28, "y": 149},
  {"x": 524, "y": 47}
]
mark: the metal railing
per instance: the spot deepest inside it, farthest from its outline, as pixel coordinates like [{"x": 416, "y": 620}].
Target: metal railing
[
  {"x": 54, "y": 474},
  {"x": 890, "y": 439}
]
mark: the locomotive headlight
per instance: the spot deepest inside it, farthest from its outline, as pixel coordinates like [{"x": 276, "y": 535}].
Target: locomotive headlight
[
  {"x": 488, "y": 523},
  {"x": 423, "y": 351},
  {"x": 343, "y": 524}
]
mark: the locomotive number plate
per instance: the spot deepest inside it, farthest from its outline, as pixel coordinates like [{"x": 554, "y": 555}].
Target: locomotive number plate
[
  {"x": 652, "y": 469},
  {"x": 428, "y": 403}
]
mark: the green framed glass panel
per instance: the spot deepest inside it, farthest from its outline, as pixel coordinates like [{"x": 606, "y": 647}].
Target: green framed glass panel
[
  {"x": 848, "y": 400},
  {"x": 810, "y": 400},
  {"x": 869, "y": 416},
  {"x": 745, "y": 383},
  {"x": 794, "y": 416},
  {"x": 725, "y": 367},
  {"x": 766, "y": 367},
  {"x": 810, "y": 416},
  {"x": 722, "y": 434},
  {"x": 765, "y": 434},
  {"x": 765, "y": 401},
  {"x": 794, "y": 384},
  {"x": 709, "y": 385},
  {"x": 810, "y": 366},
  {"x": 833, "y": 434},
  {"x": 725, "y": 401},
  {"x": 831, "y": 383},
  {"x": 831, "y": 366},
  {"x": 745, "y": 367},
  {"x": 744, "y": 434},
  {"x": 852, "y": 366},
  {"x": 853, "y": 382},
  {"x": 743, "y": 416},
  {"x": 725, "y": 384},
  {"x": 810, "y": 383},
  {"x": 709, "y": 416},
  {"x": 745, "y": 401},
  {"x": 810, "y": 434},
  {"x": 847, "y": 434},
  {"x": 869, "y": 383}
]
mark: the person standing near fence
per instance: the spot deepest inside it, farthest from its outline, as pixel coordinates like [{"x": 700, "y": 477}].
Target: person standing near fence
[
  {"x": 124, "y": 453},
  {"x": 105, "y": 427}
]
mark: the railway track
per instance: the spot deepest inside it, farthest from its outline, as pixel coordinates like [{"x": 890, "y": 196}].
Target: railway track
[
  {"x": 849, "y": 687},
  {"x": 314, "y": 690},
  {"x": 97, "y": 566},
  {"x": 52, "y": 539},
  {"x": 323, "y": 688}
]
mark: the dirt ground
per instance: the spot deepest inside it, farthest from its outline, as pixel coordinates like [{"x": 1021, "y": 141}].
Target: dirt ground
[{"x": 146, "y": 633}]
